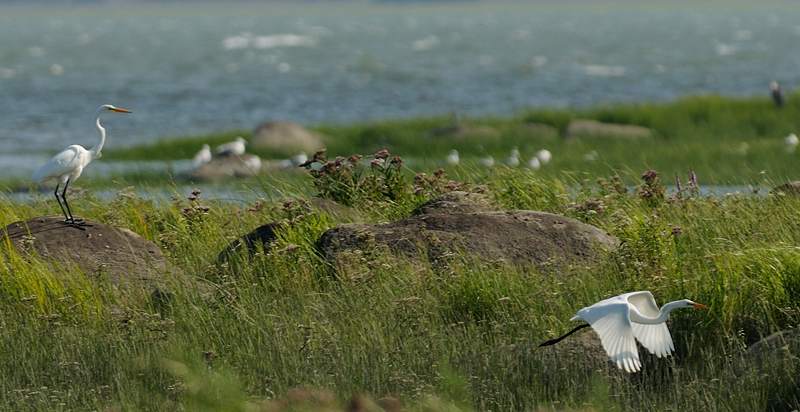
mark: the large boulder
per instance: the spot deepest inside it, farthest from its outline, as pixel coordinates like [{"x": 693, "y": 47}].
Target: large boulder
[
  {"x": 435, "y": 234},
  {"x": 775, "y": 363},
  {"x": 787, "y": 189},
  {"x": 594, "y": 129},
  {"x": 101, "y": 251},
  {"x": 286, "y": 137},
  {"x": 224, "y": 167}
]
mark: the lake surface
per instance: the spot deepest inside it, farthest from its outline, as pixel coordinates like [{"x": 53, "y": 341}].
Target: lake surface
[{"x": 194, "y": 68}]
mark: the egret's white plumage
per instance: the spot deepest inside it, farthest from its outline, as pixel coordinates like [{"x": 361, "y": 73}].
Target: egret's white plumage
[
  {"x": 453, "y": 158},
  {"x": 67, "y": 166},
  {"x": 544, "y": 156},
  {"x": 234, "y": 148},
  {"x": 202, "y": 157},
  {"x": 622, "y": 320}
]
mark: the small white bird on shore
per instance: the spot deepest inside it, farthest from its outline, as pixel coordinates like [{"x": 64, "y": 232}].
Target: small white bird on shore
[
  {"x": 534, "y": 163},
  {"x": 253, "y": 163},
  {"x": 791, "y": 142},
  {"x": 622, "y": 320},
  {"x": 234, "y": 148},
  {"x": 486, "y": 161},
  {"x": 513, "y": 158},
  {"x": 544, "y": 156},
  {"x": 453, "y": 158},
  {"x": 202, "y": 157},
  {"x": 299, "y": 158}
]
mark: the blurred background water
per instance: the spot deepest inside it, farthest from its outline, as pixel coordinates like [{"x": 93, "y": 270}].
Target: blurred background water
[{"x": 188, "y": 68}]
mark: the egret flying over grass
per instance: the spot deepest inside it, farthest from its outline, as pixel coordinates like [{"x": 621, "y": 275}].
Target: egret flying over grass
[
  {"x": 234, "y": 148},
  {"x": 67, "y": 166},
  {"x": 202, "y": 157},
  {"x": 622, "y": 320},
  {"x": 453, "y": 158}
]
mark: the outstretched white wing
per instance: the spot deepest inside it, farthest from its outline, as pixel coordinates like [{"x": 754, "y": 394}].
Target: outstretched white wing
[
  {"x": 655, "y": 338},
  {"x": 62, "y": 163},
  {"x": 611, "y": 320}
]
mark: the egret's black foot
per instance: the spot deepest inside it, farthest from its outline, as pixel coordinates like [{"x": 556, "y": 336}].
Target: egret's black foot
[{"x": 77, "y": 223}]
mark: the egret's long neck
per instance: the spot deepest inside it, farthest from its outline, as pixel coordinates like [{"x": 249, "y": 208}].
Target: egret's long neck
[
  {"x": 662, "y": 317},
  {"x": 96, "y": 150}
]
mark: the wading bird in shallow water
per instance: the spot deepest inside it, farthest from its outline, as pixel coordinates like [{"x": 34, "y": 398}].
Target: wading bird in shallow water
[
  {"x": 622, "y": 320},
  {"x": 234, "y": 148},
  {"x": 67, "y": 166}
]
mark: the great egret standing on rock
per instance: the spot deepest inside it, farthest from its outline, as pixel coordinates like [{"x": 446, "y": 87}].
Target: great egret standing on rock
[
  {"x": 202, "y": 157},
  {"x": 67, "y": 166},
  {"x": 234, "y": 148},
  {"x": 622, "y": 320}
]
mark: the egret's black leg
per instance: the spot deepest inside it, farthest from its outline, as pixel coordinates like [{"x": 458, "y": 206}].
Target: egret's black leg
[
  {"x": 562, "y": 337},
  {"x": 66, "y": 217},
  {"x": 64, "y": 196}
]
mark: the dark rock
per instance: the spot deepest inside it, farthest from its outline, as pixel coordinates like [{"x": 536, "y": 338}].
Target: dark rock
[
  {"x": 286, "y": 137},
  {"x": 514, "y": 237},
  {"x": 775, "y": 361},
  {"x": 224, "y": 167},
  {"x": 263, "y": 237},
  {"x": 789, "y": 189},
  {"x": 594, "y": 129},
  {"x": 99, "y": 250},
  {"x": 779, "y": 347}
]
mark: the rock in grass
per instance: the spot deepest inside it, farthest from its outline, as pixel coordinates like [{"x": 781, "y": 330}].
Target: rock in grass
[
  {"x": 224, "y": 167},
  {"x": 776, "y": 361},
  {"x": 593, "y": 129},
  {"x": 436, "y": 234},
  {"x": 101, "y": 251},
  {"x": 261, "y": 237},
  {"x": 789, "y": 189},
  {"x": 286, "y": 137}
]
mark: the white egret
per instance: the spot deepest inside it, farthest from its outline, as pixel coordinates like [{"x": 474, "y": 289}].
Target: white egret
[
  {"x": 534, "y": 163},
  {"x": 513, "y": 158},
  {"x": 234, "y": 148},
  {"x": 67, "y": 166},
  {"x": 622, "y": 320},
  {"x": 202, "y": 157},
  {"x": 544, "y": 156},
  {"x": 487, "y": 161},
  {"x": 453, "y": 158}
]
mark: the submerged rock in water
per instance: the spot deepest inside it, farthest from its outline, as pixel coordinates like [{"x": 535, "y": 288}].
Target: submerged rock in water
[
  {"x": 593, "y": 129},
  {"x": 451, "y": 226},
  {"x": 286, "y": 137},
  {"x": 102, "y": 251}
]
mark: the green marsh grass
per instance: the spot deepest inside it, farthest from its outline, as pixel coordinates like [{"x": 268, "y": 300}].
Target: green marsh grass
[{"x": 250, "y": 334}]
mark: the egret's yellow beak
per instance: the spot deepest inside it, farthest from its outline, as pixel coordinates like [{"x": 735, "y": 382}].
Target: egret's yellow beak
[
  {"x": 120, "y": 110},
  {"x": 699, "y": 306}
]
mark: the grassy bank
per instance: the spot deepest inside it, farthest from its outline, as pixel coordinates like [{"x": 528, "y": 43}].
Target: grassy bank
[
  {"x": 457, "y": 339},
  {"x": 725, "y": 140}
]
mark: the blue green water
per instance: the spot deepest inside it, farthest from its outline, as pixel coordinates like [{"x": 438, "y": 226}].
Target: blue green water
[{"x": 197, "y": 67}]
